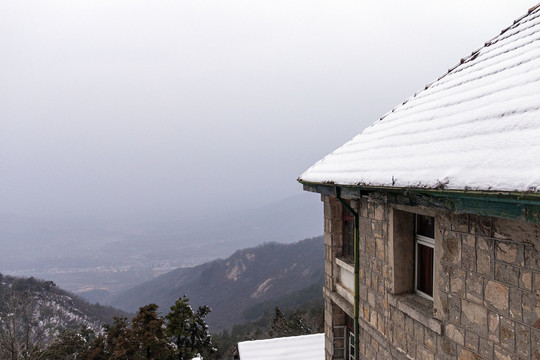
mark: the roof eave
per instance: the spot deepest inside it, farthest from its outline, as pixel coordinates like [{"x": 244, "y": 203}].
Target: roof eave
[{"x": 524, "y": 206}]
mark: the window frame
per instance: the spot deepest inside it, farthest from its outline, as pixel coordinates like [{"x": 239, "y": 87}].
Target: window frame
[
  {"x": 350, "y": 351},
  {"x": 340, "y": 351},
  {"x": 428, "y": 242}
]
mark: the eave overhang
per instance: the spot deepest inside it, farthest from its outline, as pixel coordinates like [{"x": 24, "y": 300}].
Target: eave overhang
[{"x": 521, "y": 206}]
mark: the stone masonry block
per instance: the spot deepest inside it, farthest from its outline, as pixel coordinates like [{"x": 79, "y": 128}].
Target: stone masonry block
[
  {"x": 444, "y": 278},
  {"x": 371, "y": 299},
  {"x": 430, "y": 340},
  {"x": 419, "y": 332},
  {"x": 524, "y": 232},
  {"x": 455, "y": 334},
  {"x": 494, "y": 321},
  {"x": 459, "y": 222},
  {"x": 411, "y": 347},
  {"x": 447, "y": 348},
  {"x": 454, "y": 309},
  {"x": 532, "y": 258},
  {"x": 485, "y": 348},
  {"x": 525, "y": 280},
  {"x": 423, "y": 354},
  {"x": 471, "y": 341},
  {"x": 336, "y": 227},
  {"x": 531, "y": 309},
  {"x": 370, "y": 246},
  {"x": 535, "y": 339},
  {"x": 511, "y": 253},
  {"x": 364, "y": 226},
  {"x": 501, "y": 354},
  {"x": 467, "y": 355},
  {"x": 397, "y": 317},
  {"x": 523, "y": 341},
  {"x": 475, "y": 288},
  {"x": 440, "y": 306},
  {"x": 377, "y": 229},
  {"x": 474, "y": 317},
  {"x": 451, "y": 248},
  {"x": 380, "y": 250},
  {"x": 496, "y": 295},
  {"x": 400, "y": 338},
  {"x": 380, "y": 212},
  {"x": 409, "y": 325},
  {"x": 480, "y": 225},
  {"x": 484, "y": 256},
  {"x": 508, "y": 336},
  {"x": 457, "y": 282},
  {"x": 363, "y": 208},
  {"x": 468, "y": 252},
  {"x": 507, "y": 274},
  {"x": 515, "y": 305},
  {"x": 381, "y": 323}
]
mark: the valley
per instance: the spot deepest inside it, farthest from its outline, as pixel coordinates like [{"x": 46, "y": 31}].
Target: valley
[{"x": 100, "y": 259}]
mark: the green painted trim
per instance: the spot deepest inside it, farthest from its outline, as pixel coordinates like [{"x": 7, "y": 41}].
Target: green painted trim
[
  {"x": 502, "y": 195},
  {"x": 516, "y": 206}
]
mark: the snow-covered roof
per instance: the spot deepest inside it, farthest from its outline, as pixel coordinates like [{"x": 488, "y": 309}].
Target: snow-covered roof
[
  {"x": 305, "y": 347},
  {"x": 475, "y": 128}
]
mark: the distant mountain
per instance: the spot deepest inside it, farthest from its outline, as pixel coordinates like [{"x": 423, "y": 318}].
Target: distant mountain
[
  {"x": 233, "y": 287},
  {"x": 111, "y": 256}
]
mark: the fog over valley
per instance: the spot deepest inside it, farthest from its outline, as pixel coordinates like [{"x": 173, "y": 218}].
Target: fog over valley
[
  {"x": 138, "y": 137},
  {"x": 115, "y": 255}
]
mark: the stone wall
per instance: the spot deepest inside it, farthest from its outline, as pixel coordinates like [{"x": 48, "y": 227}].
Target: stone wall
[
  {"x": 487, "y": 298},
  {"x": 332, "y": 247}
]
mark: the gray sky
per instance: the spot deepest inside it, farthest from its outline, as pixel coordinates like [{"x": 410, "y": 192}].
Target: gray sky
[{"x": 123, "y": 108}]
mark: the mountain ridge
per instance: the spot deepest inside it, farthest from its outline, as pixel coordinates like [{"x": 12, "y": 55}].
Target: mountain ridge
[{"x": 230, "y": 286}]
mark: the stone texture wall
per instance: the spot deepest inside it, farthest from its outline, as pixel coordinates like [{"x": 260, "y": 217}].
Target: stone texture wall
[
  {"x": 333, "y": 231},
  {"x": 486, "y": 304}
]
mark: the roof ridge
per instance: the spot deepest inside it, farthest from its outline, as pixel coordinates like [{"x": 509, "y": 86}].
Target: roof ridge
[
  {"x": 471, "y": 57},
  {"x": 534, "y": 8}
]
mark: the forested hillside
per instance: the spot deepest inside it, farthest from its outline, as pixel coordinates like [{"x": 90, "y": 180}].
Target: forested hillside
[
  {"x": 267, "y": 275},
  {"x": 34, "y": 312}
]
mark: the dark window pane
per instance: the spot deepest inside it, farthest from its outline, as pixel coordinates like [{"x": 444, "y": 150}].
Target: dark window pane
[
  {"x": 424, "y": 276},
  {"x": 425, "y": 225},
  {"x": 348, "y": 234}
]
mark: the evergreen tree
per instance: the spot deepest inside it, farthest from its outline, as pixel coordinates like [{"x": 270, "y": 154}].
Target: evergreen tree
[
  {"x": 189, "y": 330},
  {"x": 70, "y": 345},
  {"x": 120, "y": 343},
  {"x": 291, "y": 326},
  {"x": 148, "y": 328},
  {"x": 97, "y": 349}
]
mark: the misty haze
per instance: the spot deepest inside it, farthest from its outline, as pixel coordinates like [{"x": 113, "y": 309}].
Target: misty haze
[{"x": 138, "y": 137}]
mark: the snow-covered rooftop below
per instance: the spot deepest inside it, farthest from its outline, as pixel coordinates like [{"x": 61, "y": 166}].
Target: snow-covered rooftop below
[
  {"x": 475, "y": 128},
  {"x": 305, "y": 347}
]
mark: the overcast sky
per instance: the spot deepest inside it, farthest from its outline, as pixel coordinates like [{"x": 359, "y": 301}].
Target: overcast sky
[{"x": 152, "y": 108}]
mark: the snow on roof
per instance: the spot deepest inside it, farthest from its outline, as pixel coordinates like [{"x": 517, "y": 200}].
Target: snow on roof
[
  {"x": 305, "y": 347},
  {"x": 475, "y": 128}
]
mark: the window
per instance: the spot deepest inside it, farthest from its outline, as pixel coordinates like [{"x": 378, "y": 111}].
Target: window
[
  {"x": 411, "y": 254},
  {"x": 424, "y": 253},
  {"x": 350, "y": 337},
  {"x": 348, "y": 234},
  {"x": 339, "y": 342}
]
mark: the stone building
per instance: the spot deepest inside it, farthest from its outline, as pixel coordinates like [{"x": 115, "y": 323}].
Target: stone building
[{"x": 432, "y": 216}]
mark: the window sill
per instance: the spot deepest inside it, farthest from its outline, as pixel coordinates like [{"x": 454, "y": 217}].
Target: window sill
[
  {"x": 346, "y": 263},
  {"x": 418, "y": 308}
]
